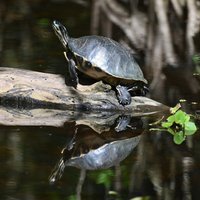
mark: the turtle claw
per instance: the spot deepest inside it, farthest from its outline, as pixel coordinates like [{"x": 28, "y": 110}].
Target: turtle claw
[
  {"x": 122, "y": 123},
  {"x": 123, "y": 95},
  {"x": 124, "y": 102}
]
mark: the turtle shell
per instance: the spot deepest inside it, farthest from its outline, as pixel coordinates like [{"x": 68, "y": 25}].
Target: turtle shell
[
  {"x": 105, "y": 156},
  {"x": 104, "y": 58}
]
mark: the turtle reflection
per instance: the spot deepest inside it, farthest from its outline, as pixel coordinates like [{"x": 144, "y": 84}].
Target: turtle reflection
[{"x": 89, "y": 150}]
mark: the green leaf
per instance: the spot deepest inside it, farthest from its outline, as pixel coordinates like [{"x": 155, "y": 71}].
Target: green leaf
[
  {"x": 187, "y": 118},
  {"x": 190, "y": 128},
  {"x": 105, "y": 177},
  {"x": 179, "y": 137},
  {"x": 196, "y": 59},
  {"x": 181, "y": 117},
  {"x": 170, "y": 130},
  {"x": 166, "y": 124},
  {"x": 171, "y": 119}
]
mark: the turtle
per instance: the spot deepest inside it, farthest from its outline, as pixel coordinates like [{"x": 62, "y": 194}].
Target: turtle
[{"x": 102, "y": 58}]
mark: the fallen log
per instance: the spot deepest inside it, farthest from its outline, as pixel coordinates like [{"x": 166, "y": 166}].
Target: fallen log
[
  {"x": 29, "y": 89},
  {"x": 36, "y": 98}
]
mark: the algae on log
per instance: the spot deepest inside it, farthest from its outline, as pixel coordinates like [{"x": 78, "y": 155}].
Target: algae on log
[{"x": 25, "y": 93}]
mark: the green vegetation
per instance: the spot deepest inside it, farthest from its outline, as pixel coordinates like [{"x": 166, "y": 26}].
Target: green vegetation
[
  {"x": 72, "y": 197},
  {"x": 196, "y": 60},
  {"x": 104, "y": 177},
  {"x": 179, "y": 124},
  {"x": 44, "y": 22}
]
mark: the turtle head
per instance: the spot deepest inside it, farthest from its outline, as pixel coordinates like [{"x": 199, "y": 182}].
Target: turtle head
[{"x": 61, "y": 32}]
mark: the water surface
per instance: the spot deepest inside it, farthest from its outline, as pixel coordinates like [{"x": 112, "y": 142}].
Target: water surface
[{"x": 154, "y": 167}]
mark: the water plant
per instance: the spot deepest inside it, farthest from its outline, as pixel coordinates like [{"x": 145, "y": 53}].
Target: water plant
[{"x": 179, "y": 124}]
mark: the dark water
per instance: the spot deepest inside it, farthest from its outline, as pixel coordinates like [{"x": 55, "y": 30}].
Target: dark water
[{"x": 151, "y": 165}]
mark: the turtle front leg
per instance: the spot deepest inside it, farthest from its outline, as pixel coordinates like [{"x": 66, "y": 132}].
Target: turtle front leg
[
  {"x": 71, "y": 77},
  {"x": 123, "y": 95},
  {"x": 122, "y": 123}
]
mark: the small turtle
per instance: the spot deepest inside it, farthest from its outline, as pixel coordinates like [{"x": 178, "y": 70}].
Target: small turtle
[{"x": 103, "y": 59}]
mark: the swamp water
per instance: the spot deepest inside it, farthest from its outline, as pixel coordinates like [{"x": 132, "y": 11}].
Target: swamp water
[{"x": 35, "y": 160}]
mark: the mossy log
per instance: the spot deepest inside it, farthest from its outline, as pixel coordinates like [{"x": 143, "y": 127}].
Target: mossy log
[{"x": 28, "y": 92}]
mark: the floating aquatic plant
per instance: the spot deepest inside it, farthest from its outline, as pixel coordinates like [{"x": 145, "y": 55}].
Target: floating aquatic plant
[{"x": 179, "y": 124}]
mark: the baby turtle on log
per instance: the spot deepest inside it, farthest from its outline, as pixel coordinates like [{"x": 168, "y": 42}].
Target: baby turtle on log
[{"x": 103, "y": 59}]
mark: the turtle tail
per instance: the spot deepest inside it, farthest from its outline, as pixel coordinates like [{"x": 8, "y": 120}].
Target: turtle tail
[{"x": 61, "y": 32}]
